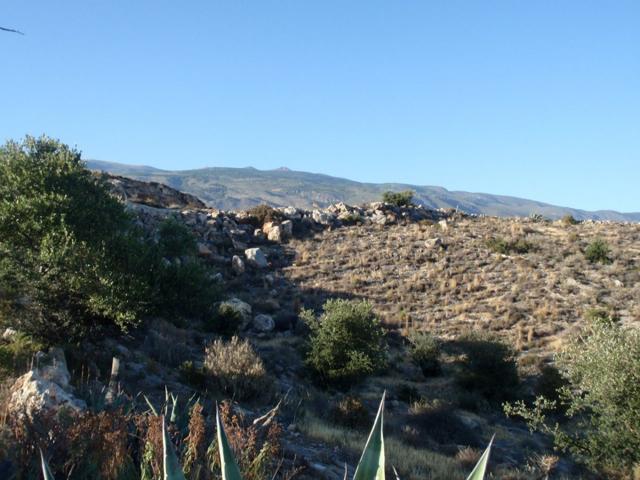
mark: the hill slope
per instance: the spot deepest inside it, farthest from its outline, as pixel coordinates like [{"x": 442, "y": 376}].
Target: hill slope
[{"x": 239, "y": 188}]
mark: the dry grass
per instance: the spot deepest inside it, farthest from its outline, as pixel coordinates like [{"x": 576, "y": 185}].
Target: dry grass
[
  {"x": 531, "y": 299},
  {"x": 236, "y": 369}
]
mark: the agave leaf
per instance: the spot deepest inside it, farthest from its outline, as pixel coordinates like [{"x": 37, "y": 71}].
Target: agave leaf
[
  {"x": 228, "y": 465},
  {"x": 481, "y": 467},
  {"x": 153, "y": 409},
  {"x": 371, "y": 465},
  {"x": 174, "y": 413},
  {"x": 46, "y": 471},
  {"x": 395, "y": 472},
  {"x": 172, "y": 469}
]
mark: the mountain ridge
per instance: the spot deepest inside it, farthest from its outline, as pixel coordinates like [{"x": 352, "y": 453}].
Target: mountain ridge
[{"x": 231, "y": 188}]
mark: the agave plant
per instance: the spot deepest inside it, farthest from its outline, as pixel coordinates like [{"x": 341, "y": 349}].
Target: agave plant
[{"x": 370, "y": 467}]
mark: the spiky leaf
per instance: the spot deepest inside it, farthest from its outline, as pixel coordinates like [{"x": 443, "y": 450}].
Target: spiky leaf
[
  {"x": 371, "y": 465},
  {"x": 228, "y": 465},
  {"x": 46, "y": 471},
  {"x": 481, "y": 467},
  {"x": 172, "y": 468}
]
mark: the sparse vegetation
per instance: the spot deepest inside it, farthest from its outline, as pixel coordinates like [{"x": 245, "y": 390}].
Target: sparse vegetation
[
  {"x": 506, "y": 247},
  {"x": 425, "y": 352},
  {"x": 235, "y": 369},
  {"x": 598, "y": 251},
  {"x": 569, "y": 220},
  {"x": 346, "y": 343},
  {"x": 489, "y": 367},
  {"x": 398, "y": 199}
]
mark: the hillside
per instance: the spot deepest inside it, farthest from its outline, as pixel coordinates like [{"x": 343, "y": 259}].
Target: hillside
[{"x": 240, "y": 188}]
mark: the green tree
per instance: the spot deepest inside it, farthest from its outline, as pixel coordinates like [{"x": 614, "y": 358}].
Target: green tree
[
  {"x": 601, "y": 426},
  {"x": 70, "y": 257},
  {"x": 346, "y": 341},
  {"x": 398, "y": 199}
]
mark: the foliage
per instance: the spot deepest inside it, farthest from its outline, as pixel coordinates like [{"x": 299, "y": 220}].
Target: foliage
[
  {"x": 601, "y": 400},
  {"x": 506, "y": 247},
  {"x": 346, "y": 343},
  {"x": 350, "y": 412},
  {"x": 236, "y": 369},
  {"x": 225, "y": 320},
  {"x": 17, "y": 353},
  {"x": 262, "y": 214},
  {"x": 598, "y": 251},
  {"x": 398, "y": 199},
  {"x": 425, "y": 352},
  {"x": 489, "y": 367},
  {"x": 70, "y": 257},
  {"x": 175, "y": 239},
  {"x": 569, "y": 220}
]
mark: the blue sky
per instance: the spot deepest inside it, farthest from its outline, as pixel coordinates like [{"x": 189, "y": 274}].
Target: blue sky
[{"x": 537, "y": 99}]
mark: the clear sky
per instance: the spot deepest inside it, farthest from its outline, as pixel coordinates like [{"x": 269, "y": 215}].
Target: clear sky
[{"x": 537, "y": 99}]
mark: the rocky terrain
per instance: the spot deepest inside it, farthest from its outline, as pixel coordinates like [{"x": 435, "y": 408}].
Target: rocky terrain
[{"x": 422, "y": 269}]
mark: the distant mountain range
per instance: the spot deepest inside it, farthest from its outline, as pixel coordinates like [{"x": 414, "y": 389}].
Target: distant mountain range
[{"x": 241, "y": 188}]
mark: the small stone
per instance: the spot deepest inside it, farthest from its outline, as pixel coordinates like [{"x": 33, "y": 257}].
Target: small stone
[
  {"x": 237, "y": 264},
  {"x": 203, "y": 250},
  {"x": 433, "y": 243}
]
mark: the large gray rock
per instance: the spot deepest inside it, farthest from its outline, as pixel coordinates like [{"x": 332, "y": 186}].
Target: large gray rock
[
  {"x": 322, "y": 217},
  {"x": 45, "y": 388},
  {"x": 256, "y": 257},
  {"x": 264, "y": 323}
]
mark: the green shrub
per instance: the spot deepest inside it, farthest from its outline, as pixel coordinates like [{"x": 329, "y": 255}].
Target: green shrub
[
  {"x": 505, "y": 247},
  {"x": 598, "y": 251},
  {"x": 550, "y": 382},
  {"x": 175, "y": 239},
  {"x": 225, "y": 320},
  {"x": 398, "y": 199},
  {"x": 489, "y": 367},
  {"x": 70, "y": 255},
  {"x": 346, "y": 343},
  {"x": 16, "y": 354},
  {"x": 602, "y": 400},
  {"x": 425, "y": 352}
]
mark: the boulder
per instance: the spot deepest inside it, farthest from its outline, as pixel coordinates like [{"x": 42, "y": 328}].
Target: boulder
[
  {"x": 322, "y": 217},
  {"x": 241, "y": 308},
  {"x": 44, "y": 388},
  {"x": 263, "y": 323},
  {"x": 275, "y": 234},
  {"x": 287, "y": 228},
  {"x": 237, "y": 265},
  {"x": 9, "y": 334},
  {"x": 256, "y": 257}
]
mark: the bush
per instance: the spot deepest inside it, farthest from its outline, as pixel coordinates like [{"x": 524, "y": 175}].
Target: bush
[
  {"x": 225, "y": 320},
  {"x": 192, "y": 375},
  {"x": 550, "y": 382},
  {"x": 235, "y": 368},
  {"x": 71, "y": 259},
  {"x": 598, "y": 251},
  {"x": 264, "y": 213},
  {"x": 602, "y": 400},
  {"x": 569, "y": 220},
  {"x": 425, "y": 352},
  {"x": 346, "y": 343},
  {"x": 398, "y": 199},
  {"x": 350, "y": 412},
  {"x": 505, "y": 247},
  {"x": 489, "y": 367},
  {"x": 175, "y": 239},
  {"x": 17, "y": 354}
]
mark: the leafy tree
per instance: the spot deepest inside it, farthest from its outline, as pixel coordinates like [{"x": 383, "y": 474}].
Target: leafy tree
[
  {"x": 70, "y": 258},
  {"x": 601, "y": 400},
  {"x": 398, "y": 199},
  {"x": 346, "y": 341}
]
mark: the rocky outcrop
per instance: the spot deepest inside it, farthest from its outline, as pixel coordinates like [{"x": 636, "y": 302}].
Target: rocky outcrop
[
  {"x": 45, "y": 388},
  {"x": 152, "y": 194}
]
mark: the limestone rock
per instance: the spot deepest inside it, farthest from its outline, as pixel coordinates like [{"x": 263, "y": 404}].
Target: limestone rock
[
  {"x": 275, "y": 234},
  {"x": 45, "y": 388},
  {"x": 240, "y": 307},
  {"x": 256, "y": 257}
]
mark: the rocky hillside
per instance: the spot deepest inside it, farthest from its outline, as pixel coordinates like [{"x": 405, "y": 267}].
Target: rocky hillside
[{"x": 241, "y": 188}]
